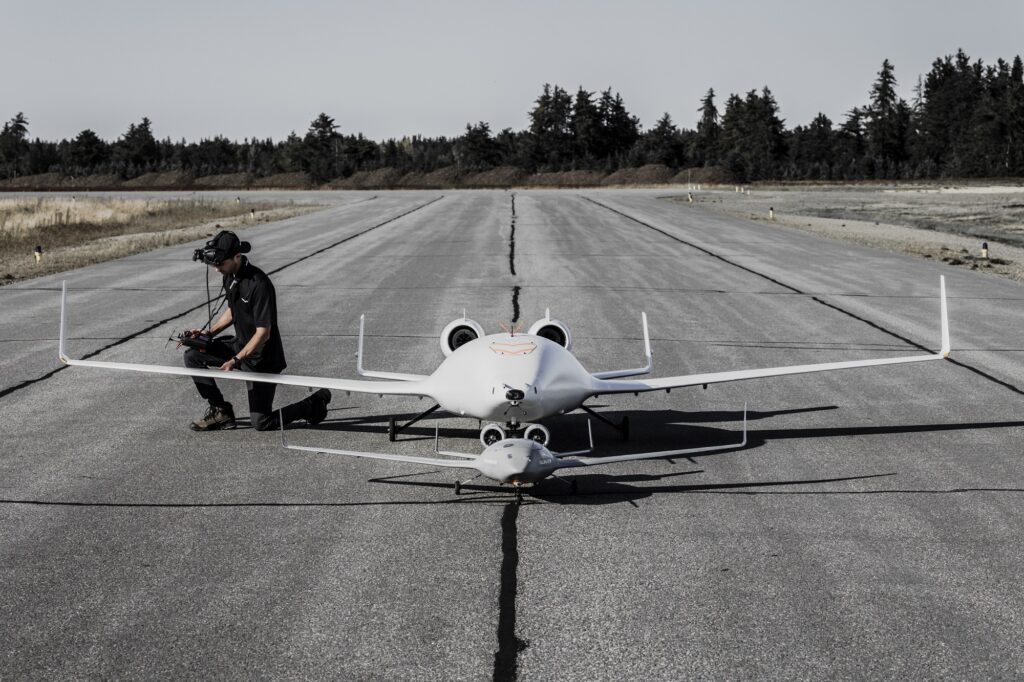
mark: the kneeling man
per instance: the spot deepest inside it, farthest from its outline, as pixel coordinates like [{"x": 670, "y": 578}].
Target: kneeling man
[{"x": 255, "y": 347}]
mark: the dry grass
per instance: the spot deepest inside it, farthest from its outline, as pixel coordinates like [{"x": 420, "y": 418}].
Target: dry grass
[{"x": 75, "y": 232}]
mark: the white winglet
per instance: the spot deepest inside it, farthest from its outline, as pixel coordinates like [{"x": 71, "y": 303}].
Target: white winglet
[
  {"x": 573, "y": 453},
  {"x": 945, "y": 319},
  {"x": 394, "y": 376},
  {"x": 61, "y": 355},
  {"x": 744, "y": 441},
  {"x": 359, "y": 347},
  {"x": 639, "y": 371},
  {"x": 647, "y": 342}
]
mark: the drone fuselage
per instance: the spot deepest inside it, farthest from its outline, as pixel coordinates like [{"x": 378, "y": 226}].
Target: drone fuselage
[
  {"x": 516, "y": 461},
  {"x": 510, "y": 378}
]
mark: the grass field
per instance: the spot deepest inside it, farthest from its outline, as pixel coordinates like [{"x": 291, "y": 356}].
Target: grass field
[{"x": 74, "y": 232}]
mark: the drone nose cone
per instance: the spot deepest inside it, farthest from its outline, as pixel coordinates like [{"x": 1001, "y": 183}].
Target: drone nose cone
[{"x": 505, "y": 460}]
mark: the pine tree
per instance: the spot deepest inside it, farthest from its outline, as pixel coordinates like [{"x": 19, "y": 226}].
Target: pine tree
[
  {"x": 136, "y": 152},
  {"x": 662, "y": 144},
  {"x": 476, "y": 150},
  {"x": 812, "y": 149},
  {"x": 14, "y": 146},
  {"x": 550, "y": 131},
  {"x": 87, "y": 152},
  {"x": 321, "y": 149},
  {"x": 619, "y": 129},
  {"x": 586, "y": 130},
  {"x": 705, "y": 143},
  {"x": 887, "y": 123},
  {"x": 1015, "y": 118}
]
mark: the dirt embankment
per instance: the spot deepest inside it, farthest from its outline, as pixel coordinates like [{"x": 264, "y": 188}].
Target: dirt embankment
[
  {"x": 947, "y": 223},
  {"x": 450, "y": 177}
]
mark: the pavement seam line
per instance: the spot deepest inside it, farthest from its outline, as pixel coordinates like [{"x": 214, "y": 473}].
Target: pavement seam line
[{"x": 958, "y": 363}]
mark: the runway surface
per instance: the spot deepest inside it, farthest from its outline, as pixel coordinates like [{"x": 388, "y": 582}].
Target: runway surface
[{"x": 871, "y": 528}]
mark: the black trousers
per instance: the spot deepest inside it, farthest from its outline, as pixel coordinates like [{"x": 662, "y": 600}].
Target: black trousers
[{"x": 260, "y": 393}]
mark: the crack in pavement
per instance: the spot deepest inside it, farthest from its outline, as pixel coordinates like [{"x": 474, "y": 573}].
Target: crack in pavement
[
  {"x": 506, "y": 658},
  {"x": 512, "y": 240}
]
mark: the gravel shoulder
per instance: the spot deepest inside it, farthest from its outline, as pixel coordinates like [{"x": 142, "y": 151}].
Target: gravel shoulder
[{"x": 947, "y": 224}]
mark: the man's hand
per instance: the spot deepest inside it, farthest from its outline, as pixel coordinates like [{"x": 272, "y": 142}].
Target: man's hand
[
  {"x": 189, "y": 334},
  {"x": 229, "y": 365}
]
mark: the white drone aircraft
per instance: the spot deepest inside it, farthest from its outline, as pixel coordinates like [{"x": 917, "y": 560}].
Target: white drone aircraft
[
  {"x": 518, "y": 461},
  {"x": 511, "y": 380}
]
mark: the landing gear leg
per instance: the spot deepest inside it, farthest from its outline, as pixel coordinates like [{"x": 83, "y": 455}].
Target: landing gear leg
[
  {"x": 622, "y": 427},
  {"x": 459, "y": 484},
  {"x": 394, "y": 428},
  {"x": 573, "y": 488}
]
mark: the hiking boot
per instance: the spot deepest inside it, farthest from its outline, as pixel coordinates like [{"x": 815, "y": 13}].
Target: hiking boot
[
  {"x": 216, "y": 417},
  {"x": 318, "y": 406}
]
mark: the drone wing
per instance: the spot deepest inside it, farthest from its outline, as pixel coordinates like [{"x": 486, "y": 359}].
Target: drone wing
[
  {"x": 410, "y": 388},
  {"x": 431, "y": 461},
  {"x": 594, "y": 461},
  {"x": 605, "y": 387},
  {"x": 468, "y": 463}
]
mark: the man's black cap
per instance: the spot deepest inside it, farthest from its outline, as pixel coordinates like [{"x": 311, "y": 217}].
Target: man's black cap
[{"x": 228, "y": 244}]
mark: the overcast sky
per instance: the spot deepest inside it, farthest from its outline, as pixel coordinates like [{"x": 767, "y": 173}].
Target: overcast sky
[{"x": 245, "y": 68}]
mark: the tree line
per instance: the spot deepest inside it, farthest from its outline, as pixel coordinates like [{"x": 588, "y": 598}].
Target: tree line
[{"x": 966, "y": 119}]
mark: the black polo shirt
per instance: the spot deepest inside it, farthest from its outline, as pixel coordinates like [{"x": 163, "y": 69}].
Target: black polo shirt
[{"x": 253, "y": 303}]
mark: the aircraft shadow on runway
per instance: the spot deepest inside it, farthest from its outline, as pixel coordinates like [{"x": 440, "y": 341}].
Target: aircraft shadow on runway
[
  {"x": 650, "y": 429},
  {"x": 665, "y": 430},
  {"x": 651, "y": 426},
  {"x": 600, "y": 489},
  {"x": 661, "y": 429}
]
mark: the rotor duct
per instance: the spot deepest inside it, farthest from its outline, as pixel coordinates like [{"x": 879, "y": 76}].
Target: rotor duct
[
  {"x": 458, "y": 333},
  {"x": 555, "y": 331}
]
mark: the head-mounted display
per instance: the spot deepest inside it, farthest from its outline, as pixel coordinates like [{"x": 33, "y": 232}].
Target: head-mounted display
[{"x": 223, "y": 246}]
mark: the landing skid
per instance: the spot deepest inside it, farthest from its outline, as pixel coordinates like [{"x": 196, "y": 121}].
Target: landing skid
[
  {"x": 573, "y": 488},
  {"x": 394, "y": 428},
  {"x": 622, "y": 427}
]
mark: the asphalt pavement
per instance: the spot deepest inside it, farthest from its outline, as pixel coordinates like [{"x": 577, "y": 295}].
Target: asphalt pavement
[{"x": 871, "y": 528}]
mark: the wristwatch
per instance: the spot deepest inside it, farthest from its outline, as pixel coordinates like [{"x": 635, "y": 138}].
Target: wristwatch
[{"x": 237, "y": 360}]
